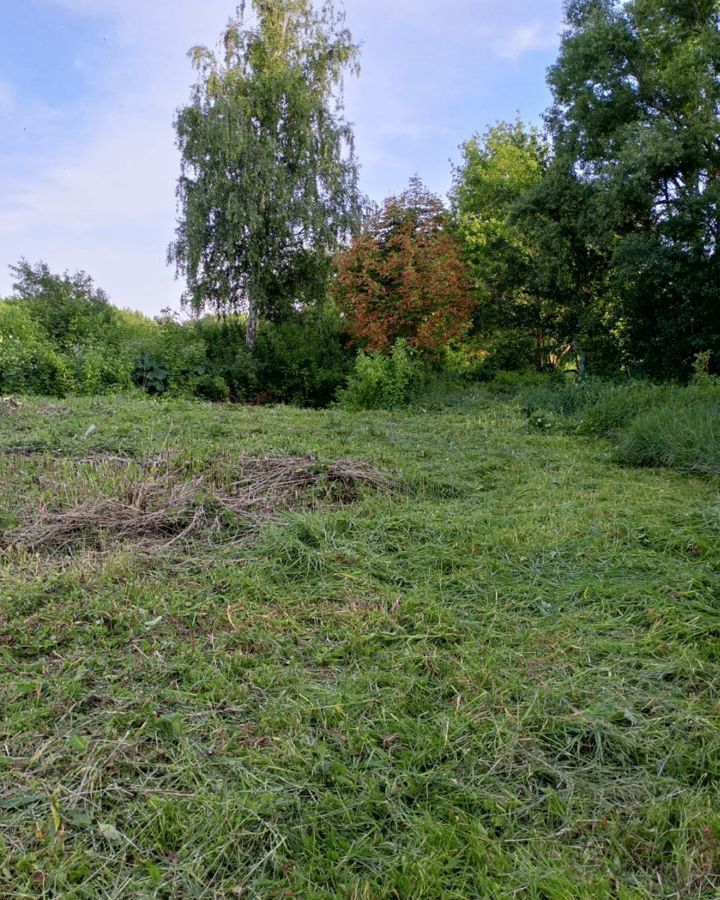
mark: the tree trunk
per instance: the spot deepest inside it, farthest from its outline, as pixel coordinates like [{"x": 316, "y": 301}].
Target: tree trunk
[
  {"x": 251, "y": 324},
  {"x": 582, "y": 364}
]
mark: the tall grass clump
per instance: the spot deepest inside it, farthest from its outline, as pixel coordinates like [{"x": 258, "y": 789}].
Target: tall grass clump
[
  {"x": 558, "y": 395},
  {"x": 616, "y": 405},
  {"x": 669, "y": 424},
  {"x": 682, "y": 433},
  {"x": 593, "y": 406},
  {"x": 527, "y": 383}
]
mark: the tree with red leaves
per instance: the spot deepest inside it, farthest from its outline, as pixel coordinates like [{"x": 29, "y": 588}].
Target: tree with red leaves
[{"x": 404, "y": 276}]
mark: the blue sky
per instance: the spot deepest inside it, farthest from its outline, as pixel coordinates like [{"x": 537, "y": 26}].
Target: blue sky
[{"x": 88, "y": 90}]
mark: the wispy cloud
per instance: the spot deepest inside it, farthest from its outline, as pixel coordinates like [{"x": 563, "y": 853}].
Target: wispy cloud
[
  {"x": 511, "y": 45},
  {"x": 102, "y": 197}
]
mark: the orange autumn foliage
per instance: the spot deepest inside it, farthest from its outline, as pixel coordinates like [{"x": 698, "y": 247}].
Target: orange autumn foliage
[{"x": 404, "y": 277}]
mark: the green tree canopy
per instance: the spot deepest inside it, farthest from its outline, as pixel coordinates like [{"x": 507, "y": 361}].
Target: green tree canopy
[
  {"x": 499, "y": 169},
  {"x": 635, "y": 121},
  {"x": 268, "y": 187}
]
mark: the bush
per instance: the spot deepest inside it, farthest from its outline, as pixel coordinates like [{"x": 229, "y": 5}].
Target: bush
[
  {"x": 98, "y": 369},
  {"x": 467, "y": 360},
  {"x": 384, "y": 382},
  {"x": 301, "y": 360},
  {"x": 211, "y": 387},
  {"x": 29, "y": 364},
  {"x": 617, "y": 405},
  {"x": 241, "y": 374},
  {"x": 181, "y": 351},
  {"x": 150, "y": 374},
  {"x": 61, "y": 335},
  {"x": 168, "y": 357},
  {"x": 511, "y": 349},
  {"x": 34, "y": 361},
  {"x": 525, "y": 384},
  {"x": 653, "y": 424},
  {"x": 34, "y": 369},
  {"x": 69, "y": 309}
]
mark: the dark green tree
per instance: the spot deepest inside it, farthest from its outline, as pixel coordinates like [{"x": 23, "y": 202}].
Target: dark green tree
[
  {"x": 573, "y": 270},
  {"x": 517, "y": 303},
  {"x": 268, "y": 188},
  {"x": 636, "y": 130}
]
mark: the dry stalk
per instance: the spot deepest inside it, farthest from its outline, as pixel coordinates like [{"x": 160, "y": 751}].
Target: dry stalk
[{"x": 156, "y": 508}]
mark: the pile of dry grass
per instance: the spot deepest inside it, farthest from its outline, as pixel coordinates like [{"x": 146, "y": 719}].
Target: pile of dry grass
[{"x": 155, "y": 506}]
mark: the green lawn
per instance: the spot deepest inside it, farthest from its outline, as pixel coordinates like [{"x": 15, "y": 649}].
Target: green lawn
[{"x": 492, "y": 672}]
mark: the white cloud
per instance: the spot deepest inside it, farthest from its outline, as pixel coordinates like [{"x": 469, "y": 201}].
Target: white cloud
[{"x": 104, "y": 200}]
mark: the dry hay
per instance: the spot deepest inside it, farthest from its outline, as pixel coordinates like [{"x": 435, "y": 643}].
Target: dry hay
[{"x": 155, "y": 507}]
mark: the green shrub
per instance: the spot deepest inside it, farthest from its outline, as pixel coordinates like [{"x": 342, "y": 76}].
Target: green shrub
[
  {"x": 211, "y": 387},
  {"x": 666, "y": 424},
  {"x": 181, "y": 351},
  {"x": 69, "y": 308},
  {"x": 29, "y": 364},
  {"x": 467, "y": 360},
  {"x": 63, "y": 336},
  {"x": 16, "y": 322},
  {"x": 99, "y": 369},
  {"x": 702, "y": 366},
  {"x": 384, "y": 382},
  {"x": 34, "y": 369},
  {"x": 592, "y": 405},
  {"x": 615, "y": 406},
  {"x": 510, "y": 350},
  {"x": 150, "y": 374},
  {"x": 301, "y": 360},
  {"x": 525, "y": 383},
  {"x": 168, "y": 357},
  {"x": 33, "y": 360},
  {"x": 241, "y": 374}
]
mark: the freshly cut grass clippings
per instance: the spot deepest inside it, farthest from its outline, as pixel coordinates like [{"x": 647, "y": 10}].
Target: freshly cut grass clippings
[
  {"x": 272, "y": 483},
  {"x": 151, "y": 511},
  {"x": 495, "y": 676},
  {"x": 154, "y": 506}
]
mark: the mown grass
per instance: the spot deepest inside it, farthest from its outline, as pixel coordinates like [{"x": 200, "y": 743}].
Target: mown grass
[{"x": 500, "y": 679}]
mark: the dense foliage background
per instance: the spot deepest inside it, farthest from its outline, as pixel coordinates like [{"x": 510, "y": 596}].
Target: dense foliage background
[
  {"x": 60, "y": 336},
  {"x": 587, "y": 247}
]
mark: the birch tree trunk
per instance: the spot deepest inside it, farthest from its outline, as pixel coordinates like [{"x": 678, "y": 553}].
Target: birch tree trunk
[{"x": 251, "y": 323}]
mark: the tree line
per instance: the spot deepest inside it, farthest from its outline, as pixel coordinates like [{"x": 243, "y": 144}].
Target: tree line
[{"x": 594, "y": 237}]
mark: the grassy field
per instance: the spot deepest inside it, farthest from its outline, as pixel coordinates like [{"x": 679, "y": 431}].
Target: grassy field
[{"x": 447, "y": 656}]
